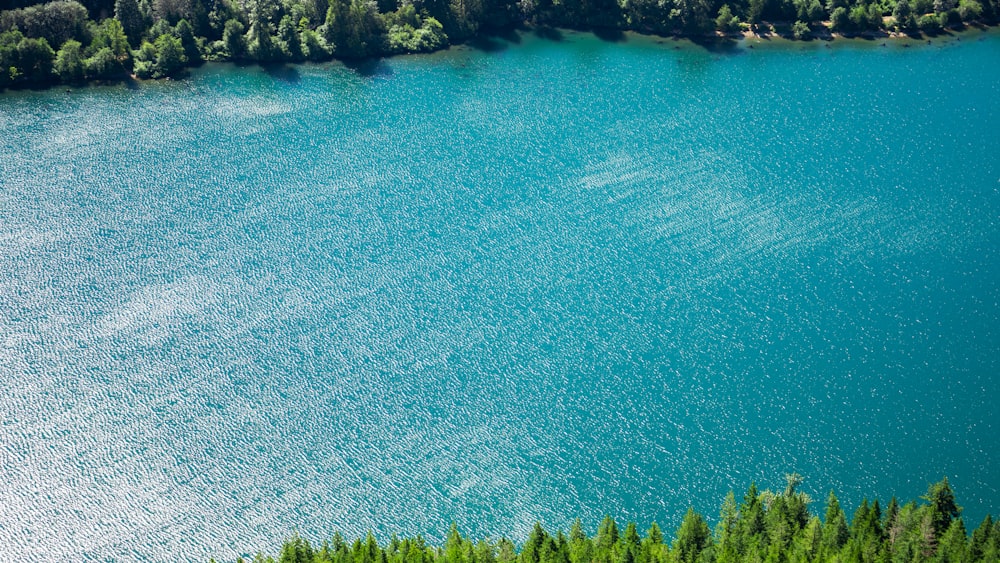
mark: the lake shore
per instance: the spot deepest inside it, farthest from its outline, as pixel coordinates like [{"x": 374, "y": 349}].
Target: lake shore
[{"x": 750, "y": 38}]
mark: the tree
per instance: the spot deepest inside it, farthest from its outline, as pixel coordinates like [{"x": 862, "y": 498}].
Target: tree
[
  {"x": 607, "y": 537},
  {"x": 288, "y": 39},
  {"x": 145, "y": 60},
  {"x": 69, "y": 61},
  {"x": 808, "y": 544},
  {"x": 980, "y": 539},
  {"x": 127, "y": 12},
  {"x": 453, "y": 546},
  {"x": 725, "y": 530},
  {"x": 755, "y": 9},
  {"x": 233, "y": 41},
  {"x": 800, "y": 30},
  {"x": 942, "y": 503},
  {"x": 693, "y": 537},
  {"x": 102, "y": 64},
  {"x": 296, "y": 550},
  {"x": 840, "y": 21},
  {"x": 835, "y": 531},
  {"x": 652, "y": 545},
  {"x": 313, "y": 47},
  {"x": 903, "y": 14},
  {"x": 530, "y": 553},
  {"x": 185, "y": 33},
  {"x": 485, "y": 552},
  {"x": 726, "y": 22},
  {"x": 580, "y": 547},
  {"x": 35, "y": 58},
  {"x": 969, "y": 10},
  {"x": 111, "y": 34},
  {"x": 56, "y": 22},
  {"x": 170, "y": 56},
  {"x": 952, "y": 548},
  {"x": 750, "y": 524},
  {"x": 259, "y": 42}
]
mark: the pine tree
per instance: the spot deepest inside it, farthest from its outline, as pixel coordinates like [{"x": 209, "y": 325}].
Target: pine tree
[
  {"x": 580, "y": 547},
  {"x": 980, "y": 539},
  {"x": 725, "y": 531},
  {"x": 693, "y": 536},
  {"x": 604, "y": 542},
  {"x": 651, "y": 546},
  {"x": 127, "y": 12},
  {"x": 953, "y": 547},
  {"x": 942, "y": 502},
  {"x": 835, "y": 532}
]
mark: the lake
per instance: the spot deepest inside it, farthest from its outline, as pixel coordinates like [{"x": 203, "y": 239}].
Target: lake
[{"x": 527, "y": 279}]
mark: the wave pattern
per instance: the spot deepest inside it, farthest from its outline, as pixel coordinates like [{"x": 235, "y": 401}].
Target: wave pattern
[{"x": 559, "y": 279}]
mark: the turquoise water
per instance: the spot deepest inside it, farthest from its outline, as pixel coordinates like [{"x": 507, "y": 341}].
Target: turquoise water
[{"x": 529, "y": 281}]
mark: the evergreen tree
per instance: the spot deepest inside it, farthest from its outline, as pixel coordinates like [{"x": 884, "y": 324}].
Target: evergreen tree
[
  {"x": 942, "y": 503},
  {"x": 651, "y": 547},
  {"x": 835, "y": 532},
  {"x": 233, "y": 41},
  {"x": 750, "y": 524},
  {"x": 953, "y": 547},
  {"x": 127, "y": 12},
  {"x": 980, "y": 539},
  {"x": 288, "y": 39},
  {"x": 726, "y": 530},
  {"x": 453, "y": 546},
  {"x": 260, "y": 45},
  {"x": 185, "y": 33},
  {"x": 693, "y": 537},
  {"x": 604, "y": 542},
  {"x": 580, "y": 547},
  {"x": 531, "y": 552}
]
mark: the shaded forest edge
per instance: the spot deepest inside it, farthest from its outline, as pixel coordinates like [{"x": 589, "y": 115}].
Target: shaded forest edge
[
  {"x": 765, "y": 527},
  {"x": 70, "y": 41}
]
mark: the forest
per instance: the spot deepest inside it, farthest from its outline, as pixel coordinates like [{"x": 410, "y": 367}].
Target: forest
[
  {"x": 74, "y": 41},
  {"x": 764, "y": 527}
]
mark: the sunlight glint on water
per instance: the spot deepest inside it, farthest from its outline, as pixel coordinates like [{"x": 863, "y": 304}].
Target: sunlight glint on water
[{"x": 557, "y": 279}]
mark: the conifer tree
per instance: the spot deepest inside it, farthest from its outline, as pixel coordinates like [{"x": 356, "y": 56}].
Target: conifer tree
[
  {"x": 693, "y": 536},
  {"x": 580, "y": 547},
  {"x": 943, "y": 506},
  {"x": 725, "y": 531},
  {"x": 953, "y": 547},
  {"x": 980, "y": 539},
  {"x": 835, "y": 532}
]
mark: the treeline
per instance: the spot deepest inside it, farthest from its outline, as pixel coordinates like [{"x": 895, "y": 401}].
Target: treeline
[
  {"x": 66, "y": 40},
  {"x": 766, "y": 527}
]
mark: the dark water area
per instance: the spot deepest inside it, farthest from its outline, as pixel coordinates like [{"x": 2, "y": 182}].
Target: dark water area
[{"x": 533, "y": 279}]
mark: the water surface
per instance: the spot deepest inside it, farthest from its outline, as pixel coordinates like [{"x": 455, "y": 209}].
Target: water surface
[{"x": 531, "y": 281}]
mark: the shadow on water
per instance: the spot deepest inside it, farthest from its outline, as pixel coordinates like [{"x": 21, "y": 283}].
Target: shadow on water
[
  {"x": 718, "y": 45},
  {"x": 282, "y": 72},
  {"x": 549, "y": 33},
  {"x": 491, "y": 43},
  {"x": 610, "y": 35},
  {"x": 369, "y": 68}
]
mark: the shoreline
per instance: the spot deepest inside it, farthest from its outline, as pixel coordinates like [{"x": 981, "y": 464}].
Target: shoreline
[{"x": 764, "y": 35}]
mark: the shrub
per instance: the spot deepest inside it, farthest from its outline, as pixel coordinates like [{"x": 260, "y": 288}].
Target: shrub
[{"x": 800, "y": 30}]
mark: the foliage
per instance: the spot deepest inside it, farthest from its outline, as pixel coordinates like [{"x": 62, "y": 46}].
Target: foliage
[
  {"x": 766, "y": 527},
  {"x": 726, "y": 22},
  {"x": 800, "y": 30},
  {"x": 36, "y": 37},
  {"x": 69, "y": 61},
  {"x": 170, "y": 57},
  {"x": 56, "y": 22}
]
